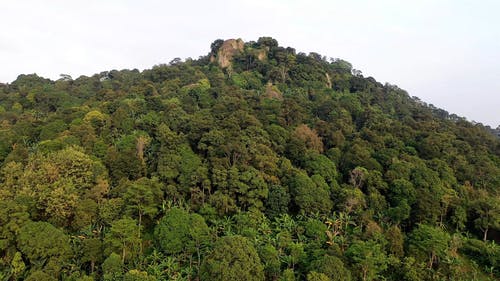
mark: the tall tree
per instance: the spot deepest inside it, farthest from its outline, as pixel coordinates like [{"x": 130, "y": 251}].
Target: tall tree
[
  {"x": 123, "y": 238},
  {"x": 233, "y": 258}
]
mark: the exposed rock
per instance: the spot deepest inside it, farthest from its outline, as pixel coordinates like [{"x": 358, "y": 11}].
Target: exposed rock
[
  {"x": 227, "y": 51},
  {"x": 328, "y": 80},
  {"x": 262, "y": 54},
  {"x": 272, "y": 92}
]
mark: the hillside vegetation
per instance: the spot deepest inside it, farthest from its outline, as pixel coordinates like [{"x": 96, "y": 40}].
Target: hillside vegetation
[{"x": 253, "y": 162}]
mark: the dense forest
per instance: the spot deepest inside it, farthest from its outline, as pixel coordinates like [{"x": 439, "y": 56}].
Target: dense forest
[{"x": 254, "y": 162}]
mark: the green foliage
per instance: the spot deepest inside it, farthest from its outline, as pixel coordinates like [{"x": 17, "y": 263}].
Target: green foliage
[
  {"x": 320, "y": 165},
  {"x": 143, "y": 197},
  {"x": 487, "y": 208},
  {"x": 368, "y": 257},
  {"x": 136, "y": 275},
  {"x": 332, "y": 267},
  {"x": 45, "y": 248},
  {"x": 124, "y": 237},
  {"x": 486, "y": 254},
  {"x": 298, "y": 166},
  {"x": 40, "y": 276},
  {"x": 429, "y": 242},
  {"x": 310, "y": 196},
  {"x": 181, "y": 232},
  {"x": 51, "y": 130},
  {"x": 18, "y": 266},
  {"x": 277, "y": 201},
  {"x": 13, "y": 216},
  {"x": 315, "y": 276},
  {"x": 270, "y": 258},
  {"x": 41, "y": 241},
  {"x": 288, "y": 275},
  {"x": 233, "y": 258},
  {"x": 56, "y": 182},
  {"x": 112, "y": 267}
]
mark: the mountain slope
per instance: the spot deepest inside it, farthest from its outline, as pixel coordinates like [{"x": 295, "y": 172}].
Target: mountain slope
[{"x": 252, "y": 162}]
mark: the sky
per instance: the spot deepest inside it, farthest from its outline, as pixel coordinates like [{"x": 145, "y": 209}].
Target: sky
[{"x": 447, "y": 53}]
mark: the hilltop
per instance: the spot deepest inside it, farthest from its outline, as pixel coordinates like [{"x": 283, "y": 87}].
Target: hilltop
[{"x": 252, "y": 162}]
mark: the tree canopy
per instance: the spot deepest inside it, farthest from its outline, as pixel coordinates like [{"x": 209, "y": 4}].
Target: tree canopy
[{"x": 253, "y": 162}]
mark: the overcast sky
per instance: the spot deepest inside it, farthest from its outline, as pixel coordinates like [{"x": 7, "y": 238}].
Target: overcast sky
[{"x": 445, "y": 52}]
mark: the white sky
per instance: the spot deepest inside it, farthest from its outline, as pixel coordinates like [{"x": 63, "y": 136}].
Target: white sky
[{"x": 445, "y": 52}]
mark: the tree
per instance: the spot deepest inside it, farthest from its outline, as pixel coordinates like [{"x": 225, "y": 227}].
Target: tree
[
  {"x": 296, "y": 254},
  {"x": 487, "y": 208},
  {"x": 402, "y": 196},
  {"x": 429, "y": 241},
  {"x": 13, "y": 216},
  {"x": 288, "y": 275},
  {"x": 85, "y": 214},
  {"x": 17, "y": 265},
  {"x": 43, "y": 244},
  {"x": 137, "y": 275},
  {"x": 269, "y": 256},
  {"x": 412, "y": 270},
  {"x": 168, "y": 158},
  {"x": 315, "y": 276},
  {"x": 395, "y": 241},
  {"x": 128, "y": 175},
  {"x": 92, "y": 252},
  {"x": 51, "y": 130},
  {"x": 233, "y": 258},
  {"x": 112, "y": 267},
  {"x": 214, "y": 47},
  {"x": 96, "y": 119},
  {"x": 369, "y": 257},
  {"x": 311, "y": 197},
  {"x": 123, "y": 238},
  {"x": 251, "y": 188},
  {"x": 143, "y": 197},
  {"x": 39, "y": 275},
  {"x": 57, "y": 181},
  {"x": 319, "y": 164},
  {"x": 308, "y": 138},
  {"x": 277, "y": 201},
  {"x": 267, "y": 42},
  {"x": 179, "y": 232},
  {"x": 332, "y": 267},
  {"x": 84, "y": 277}
]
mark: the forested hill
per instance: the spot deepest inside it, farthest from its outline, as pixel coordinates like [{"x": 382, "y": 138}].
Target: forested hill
[{"x": 253, "y": 162}]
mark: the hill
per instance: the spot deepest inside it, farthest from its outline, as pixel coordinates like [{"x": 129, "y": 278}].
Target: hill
[{"x": 253, "y": 162}]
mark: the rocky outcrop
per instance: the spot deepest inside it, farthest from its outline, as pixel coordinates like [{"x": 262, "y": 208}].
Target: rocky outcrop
[
  {"x": 272, "y": 92},
  {"x": 328, "y": 80},
  {"x": 262, "y": 54},
  {"x": 227, "y": 51}
]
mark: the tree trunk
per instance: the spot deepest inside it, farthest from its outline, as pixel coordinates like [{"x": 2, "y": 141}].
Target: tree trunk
[
  {"x": 199, "y": 258},
  {"x": 123, "y": 253},
  {"x": 431, "y": 260},
  {"x": 139, "y": 233},
  {"x": 283, "y": 71},
  {"x": 140, "y": 222},
  {"x": 485, "y": 234}
]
